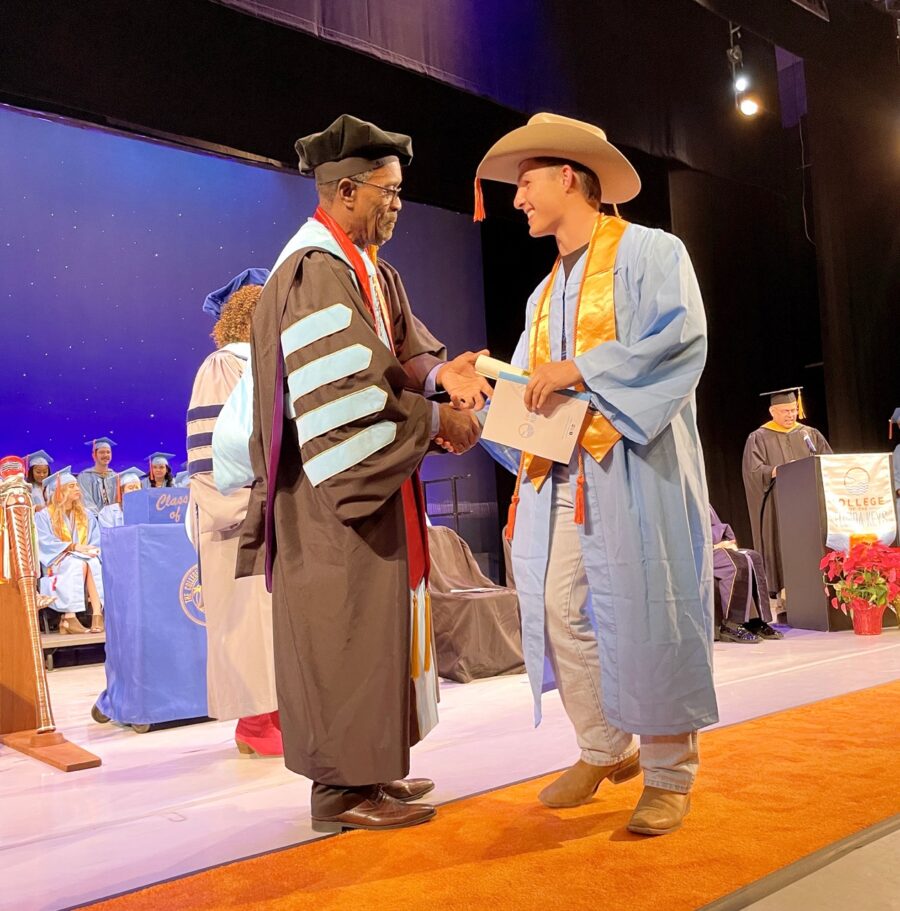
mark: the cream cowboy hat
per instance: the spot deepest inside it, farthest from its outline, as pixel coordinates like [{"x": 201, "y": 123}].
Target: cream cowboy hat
[{"x": 553, "y": 136}]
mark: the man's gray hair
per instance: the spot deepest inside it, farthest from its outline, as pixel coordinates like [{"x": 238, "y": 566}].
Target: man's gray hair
[{"x": 327, "y": 190}]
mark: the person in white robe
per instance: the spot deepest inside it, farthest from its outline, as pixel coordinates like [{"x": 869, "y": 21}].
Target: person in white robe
[
  {"x": 240, "y": 660},
  {"x": 69, "y": 550}
]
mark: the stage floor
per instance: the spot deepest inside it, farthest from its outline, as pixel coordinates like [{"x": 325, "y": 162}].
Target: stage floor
[{"x": 181, "y": 799}]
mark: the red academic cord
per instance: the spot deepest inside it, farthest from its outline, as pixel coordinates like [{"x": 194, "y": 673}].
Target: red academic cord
[{"x": 410, "y": 490}]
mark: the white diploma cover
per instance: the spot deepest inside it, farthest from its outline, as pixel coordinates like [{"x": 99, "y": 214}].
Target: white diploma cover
[{"x": 552, "y": 433}]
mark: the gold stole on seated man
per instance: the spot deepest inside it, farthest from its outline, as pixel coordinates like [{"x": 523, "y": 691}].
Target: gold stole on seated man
[{"x": 595, "y": 323}]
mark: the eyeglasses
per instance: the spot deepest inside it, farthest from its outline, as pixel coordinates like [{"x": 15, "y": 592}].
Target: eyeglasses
[{"x": 391, "y": 193}]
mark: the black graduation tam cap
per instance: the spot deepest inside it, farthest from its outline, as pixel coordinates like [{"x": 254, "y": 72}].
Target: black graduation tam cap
[
  {"x": 350, "y": 146},
  {"x": 783, "y": 396},
  {"x": 894, "y": 419},
  {"x": 786, "y": 396}
]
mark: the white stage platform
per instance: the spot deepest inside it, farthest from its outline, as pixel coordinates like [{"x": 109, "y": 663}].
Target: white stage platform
[{"x": 178, "y": 800}]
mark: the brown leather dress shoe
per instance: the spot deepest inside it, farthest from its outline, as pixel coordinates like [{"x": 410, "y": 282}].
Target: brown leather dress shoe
[
  {"x": 659, "y": 812},
  {"x": 407, "y": 789},
  {"x": 376, "y": 813},
  {"x": 578, "y": 784}
]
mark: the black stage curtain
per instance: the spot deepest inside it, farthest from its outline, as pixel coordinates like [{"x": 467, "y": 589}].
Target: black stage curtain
[
  {"x": 854, "y": 147},
  {"x": 653, "y": 74},
  {"x": 758, "y": 319}
]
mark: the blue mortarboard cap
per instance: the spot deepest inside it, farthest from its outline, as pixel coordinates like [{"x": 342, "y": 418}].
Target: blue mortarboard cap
[
  {"x": 40, "y": 457},
  {"x": 215, "y": 300},
  {"x": 160, "y": 458},
  {"x": 63, "y": 476},
  {"x": 131, "y": 474},
  {"x": 100, "y": 441}
]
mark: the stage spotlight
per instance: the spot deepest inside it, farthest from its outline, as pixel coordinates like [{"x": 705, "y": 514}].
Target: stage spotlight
[
  {"x": 749, "y": 105},
  {"x": 742, "y": 83}
]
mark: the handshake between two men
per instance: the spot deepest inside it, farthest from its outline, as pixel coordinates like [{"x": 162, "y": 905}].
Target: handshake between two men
[{"x": 459, "y": 426}]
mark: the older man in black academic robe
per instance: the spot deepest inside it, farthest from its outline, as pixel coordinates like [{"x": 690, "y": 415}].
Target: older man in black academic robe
[
  {"x": 340, "y": 427},
  {"x": 783, "y": 439}
]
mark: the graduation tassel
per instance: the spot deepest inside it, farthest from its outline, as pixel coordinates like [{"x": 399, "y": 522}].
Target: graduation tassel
[
  {"x": 579, "y": 491},
  {"x": 514, "y": 502},
  {"x": 801, "y": 413},
  {"x": 414, "y": 651},
  {"x": 427, "y": 631},
  {"x": 479, "y": 201}
]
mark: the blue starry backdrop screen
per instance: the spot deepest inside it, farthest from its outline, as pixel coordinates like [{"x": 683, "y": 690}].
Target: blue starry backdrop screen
[{"x": 108, "y": 246}]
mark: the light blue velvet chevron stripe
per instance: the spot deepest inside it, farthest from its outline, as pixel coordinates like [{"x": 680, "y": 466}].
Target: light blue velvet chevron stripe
[
  {"x": 349, "y": 453},
  {"x": 328, "y": 369},
  {"x": 316, "y": 326},
  {"x": 341, "y": 411}
]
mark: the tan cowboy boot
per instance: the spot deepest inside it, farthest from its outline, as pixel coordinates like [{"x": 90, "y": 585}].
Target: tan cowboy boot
[
  {"x": 578, "y": 784},
  {"x": 659, "y": 812}
]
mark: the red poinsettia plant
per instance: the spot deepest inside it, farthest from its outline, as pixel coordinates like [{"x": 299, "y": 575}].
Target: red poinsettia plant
[{"x": 866, "y": 577}]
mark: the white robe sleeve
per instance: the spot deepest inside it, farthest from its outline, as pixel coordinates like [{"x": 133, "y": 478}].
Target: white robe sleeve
[{"x": 231, "y": 438}]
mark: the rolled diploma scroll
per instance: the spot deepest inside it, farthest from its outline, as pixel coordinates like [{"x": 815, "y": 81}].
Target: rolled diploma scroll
[{"x": 491, "y": 368}]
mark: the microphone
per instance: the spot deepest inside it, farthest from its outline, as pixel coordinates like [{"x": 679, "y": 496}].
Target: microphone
[{"x": 809, "y": 444}]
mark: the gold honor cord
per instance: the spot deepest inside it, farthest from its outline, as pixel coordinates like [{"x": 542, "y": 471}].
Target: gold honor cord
[{"x": 18, "y": 525}]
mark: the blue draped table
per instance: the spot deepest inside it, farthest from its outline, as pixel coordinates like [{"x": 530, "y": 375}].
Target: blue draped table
[{"x": 155, "y": 626}]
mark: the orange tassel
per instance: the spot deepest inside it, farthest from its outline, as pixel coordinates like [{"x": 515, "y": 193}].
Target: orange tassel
[
  {"x": 579, "y": 492},
  {"x": 479, "y": 201},
  {"x": 511, "y": 517},
  {"x": 514, "y": 502}
]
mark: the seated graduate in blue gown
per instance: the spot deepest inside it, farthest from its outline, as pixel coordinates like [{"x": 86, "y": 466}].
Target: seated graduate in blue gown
[
  {"x": 181, "y": 479},
  {"x": 98, "y": 483},
  {"x": 112, "y": 516},
  {"x": 69, "y": 549},
  {"x": 160, "y": 472},
  {"x": 39, "y": 463}
]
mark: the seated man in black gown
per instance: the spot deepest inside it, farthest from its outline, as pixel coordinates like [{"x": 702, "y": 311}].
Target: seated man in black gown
[{"x": 741, "y": 583}]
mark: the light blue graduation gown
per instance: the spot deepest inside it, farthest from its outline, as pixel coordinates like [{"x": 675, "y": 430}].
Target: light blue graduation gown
[
  {"x": 92, "y": 485},
  {"x": 111, "y": 516},
  {"x": 646, "y": 539},
  {"x": 64, "y": 574}
]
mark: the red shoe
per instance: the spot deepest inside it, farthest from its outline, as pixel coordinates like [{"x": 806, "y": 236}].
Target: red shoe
[{"x": 260, "y": 735}]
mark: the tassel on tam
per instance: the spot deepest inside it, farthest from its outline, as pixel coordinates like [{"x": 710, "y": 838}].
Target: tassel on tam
[
  {"x": 479, "y": 201},
  {"x": 801, "y": 412}
]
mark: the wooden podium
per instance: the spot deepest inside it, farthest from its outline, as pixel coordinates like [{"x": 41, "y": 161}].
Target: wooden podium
[
  {"x": 802, "y": 531},
  {"x": 26, "y": 719}
]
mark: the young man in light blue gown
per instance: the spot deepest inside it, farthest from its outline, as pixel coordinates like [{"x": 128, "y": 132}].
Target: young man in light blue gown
[
  {"x": 612, "y": 552},
  {"x": 98, "y": 483}
]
